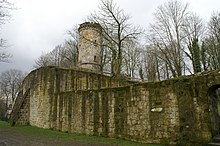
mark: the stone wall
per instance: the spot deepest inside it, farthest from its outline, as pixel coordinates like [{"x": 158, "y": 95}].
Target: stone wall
[
  {"x": 171, "y": 111},
  {"x": 46, "y": 83},
  {"x": 21, "y": 109}
]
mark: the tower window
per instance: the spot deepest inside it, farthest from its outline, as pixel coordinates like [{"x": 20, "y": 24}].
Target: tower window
[
  {"x": 95, "y": 43},
  {"x": 95, "y": 59}
]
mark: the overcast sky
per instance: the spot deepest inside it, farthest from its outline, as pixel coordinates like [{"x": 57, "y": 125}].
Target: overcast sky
[{"x": 37, "y": 26}]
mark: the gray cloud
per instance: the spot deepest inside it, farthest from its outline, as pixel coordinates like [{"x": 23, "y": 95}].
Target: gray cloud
[{"x": 39, "y": 25}]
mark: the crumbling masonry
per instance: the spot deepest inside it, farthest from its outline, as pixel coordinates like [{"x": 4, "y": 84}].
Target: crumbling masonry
[{"x": 86, "y": 101}]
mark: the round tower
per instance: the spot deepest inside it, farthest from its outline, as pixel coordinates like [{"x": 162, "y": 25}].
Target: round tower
[{"x": 90, "y": 40}]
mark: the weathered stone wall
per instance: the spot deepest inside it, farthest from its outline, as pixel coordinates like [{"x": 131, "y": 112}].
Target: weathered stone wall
[
  {"x": 46, "y": 83},
  {"x": 169, "y": 111},
  {"x": 23, "y": 111}
]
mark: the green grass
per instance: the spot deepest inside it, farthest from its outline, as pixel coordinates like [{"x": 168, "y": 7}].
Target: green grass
[{"x": 45, "y": 133}]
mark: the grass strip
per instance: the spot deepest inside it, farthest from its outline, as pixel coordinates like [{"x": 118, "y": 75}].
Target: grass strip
[{"x": 46, "y": 133}]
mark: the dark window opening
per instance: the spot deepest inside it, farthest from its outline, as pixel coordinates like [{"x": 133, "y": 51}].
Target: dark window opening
[
  {"x": 214, "y": 98},
  {"x": 95, "y": 43},
  {"x": 95, "y": 59},
  {"x": 214, "y": 108}
]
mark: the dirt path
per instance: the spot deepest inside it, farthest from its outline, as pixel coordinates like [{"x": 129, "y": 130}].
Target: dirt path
[{"x": 14, "y": 138}]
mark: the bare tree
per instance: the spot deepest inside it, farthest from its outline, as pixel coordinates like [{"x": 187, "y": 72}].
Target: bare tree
[
  {"x": 131, "y": 59},
  {"x": 72, "y": 45},
  {"x": 64, "y": 55},
  {"x": 5, "y": 8},
  {"x": 166, "y": 34},
  {"x": 154, "y": 64},
  {"x": 42, "y": 61},
  {"x": 204, "y": 56},
  {"x": 193, "y": 29},
  {"x": 116, "y": 30},
  {"x": 150, "y": 62},
  {"x": 4, "y": 56},
  {"x": 57, "y": 56},
  {"x": 106, "y": 60},
  {"x": 53, "y": 58},
  {"x": 212, "y": 42},
  {"x": 70, "y": 53},
  {"x": 10, "y": 82}
]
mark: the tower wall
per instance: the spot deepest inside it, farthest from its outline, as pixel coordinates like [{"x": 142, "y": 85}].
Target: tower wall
[{"x": 90, "y": 46}]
